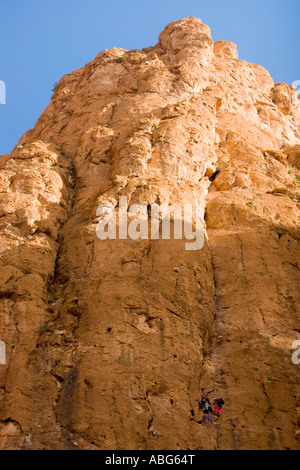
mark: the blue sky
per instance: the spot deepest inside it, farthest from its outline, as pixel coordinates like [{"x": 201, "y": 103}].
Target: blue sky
[{"x": 42, "y": 40}]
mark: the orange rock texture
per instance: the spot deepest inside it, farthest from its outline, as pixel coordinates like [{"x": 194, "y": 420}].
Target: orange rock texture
[{"x": 110, "y": 343}]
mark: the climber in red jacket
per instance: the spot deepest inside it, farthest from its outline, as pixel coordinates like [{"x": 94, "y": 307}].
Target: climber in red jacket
[{"x": 219, "y": 402}]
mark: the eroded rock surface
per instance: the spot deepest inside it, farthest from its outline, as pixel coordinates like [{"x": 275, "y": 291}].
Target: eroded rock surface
[{"x": 110, "y": 343}]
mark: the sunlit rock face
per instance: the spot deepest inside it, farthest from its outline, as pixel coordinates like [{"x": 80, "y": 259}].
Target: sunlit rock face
[{"x": 110, "y": 343}]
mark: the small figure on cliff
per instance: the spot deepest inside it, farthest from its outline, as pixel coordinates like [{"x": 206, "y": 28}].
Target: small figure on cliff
[
  {"x": 205, "y": 406},
  {"x": 219, "y": 402}
]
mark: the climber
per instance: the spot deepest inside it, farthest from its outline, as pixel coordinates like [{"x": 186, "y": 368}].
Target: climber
[
  {"x": 205, "y": 406},
  {"x": 219, "y": 402}
]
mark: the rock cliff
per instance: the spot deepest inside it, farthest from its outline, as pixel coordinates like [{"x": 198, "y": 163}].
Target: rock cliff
[{"x": 110, "y": 343}]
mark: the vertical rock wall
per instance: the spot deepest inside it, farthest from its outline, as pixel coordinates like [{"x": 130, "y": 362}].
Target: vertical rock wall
[{"x": 110, "y": 343}]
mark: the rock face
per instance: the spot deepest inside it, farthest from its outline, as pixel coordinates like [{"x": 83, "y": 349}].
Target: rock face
[{"x": 110, "y": 343}]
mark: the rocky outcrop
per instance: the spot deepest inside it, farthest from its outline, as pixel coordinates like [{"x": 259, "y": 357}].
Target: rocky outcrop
[
  {"x": 111, "y": 342},
  {"x": 226, "y": 49}
]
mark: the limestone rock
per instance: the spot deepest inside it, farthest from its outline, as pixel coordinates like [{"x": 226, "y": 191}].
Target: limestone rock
[
  {"x": 226, "y": 49},
  {"x": 110, "y": 343}
]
